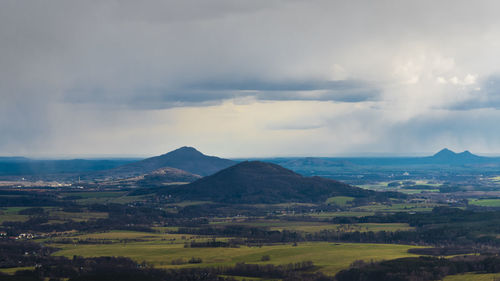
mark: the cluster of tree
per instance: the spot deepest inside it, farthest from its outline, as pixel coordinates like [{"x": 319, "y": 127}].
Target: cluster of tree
[
  {"x": 453, "y": 250},
  {"x": 35, "y": 211},
  {"x": 119, "y": 268},
  {"x": 90, "y": 241},
  {"x": 419, "y": 269},
  {"x": 252, "y": 234},
  {"x": 267, "y": 270},
  {"x": 469, "y": 234},
  {"x": 120, "y": 217},
  {"x": 30, "y": 200},
  {"x": 22, "y": 253},
  {"x": 442, "y": 226},
  {"x": 231, "y": 243}
]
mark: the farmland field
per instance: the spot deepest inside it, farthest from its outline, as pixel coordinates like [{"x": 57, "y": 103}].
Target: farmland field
[
  {"x": 11, "y": 214},
  {"x": 329, "y": 257},
  {"x": 340, "y": 200},
  {"x": 485, "y": 202},
  {"x": 472, "y": 276}
]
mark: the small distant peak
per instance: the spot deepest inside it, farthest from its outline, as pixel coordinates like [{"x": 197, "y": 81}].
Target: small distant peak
[
  {"x": 187, "y": 148},
  {"x": 445, "y": 152},
  {"x": 185, "y": 151}
]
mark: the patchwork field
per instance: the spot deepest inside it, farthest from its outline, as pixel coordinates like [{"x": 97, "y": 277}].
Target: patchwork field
[
  {"x": 398, "y": 207},
  {"x": 329, "y": 257},
  {"x": 11, "y": 214}
]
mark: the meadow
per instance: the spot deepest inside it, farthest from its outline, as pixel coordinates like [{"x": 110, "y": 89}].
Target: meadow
[
  {"x": 161, "y": 249},
  {"x": 485, "y": 202},
  {"x": 473, "y": 276},
  {"x": 11, "y": 214}
]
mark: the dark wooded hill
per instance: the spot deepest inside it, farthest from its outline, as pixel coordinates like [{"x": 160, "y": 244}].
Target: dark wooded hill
[{"x": 261, "y": 182}]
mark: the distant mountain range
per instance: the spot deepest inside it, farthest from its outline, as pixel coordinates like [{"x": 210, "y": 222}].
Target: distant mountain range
[
  {"x": 443, "y": 157},
  {"x": 262, "y": 182},
  {"x": 185, "y": 164},
  {"x": 197, "y": 164}
]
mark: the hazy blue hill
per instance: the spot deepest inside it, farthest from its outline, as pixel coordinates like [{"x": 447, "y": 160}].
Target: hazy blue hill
[
  {"x": 185, "y": 158},
  {"x": 446, "y": 156},
  {"x": 313, "y": 162},
  {"x": 12, "y": 158},
  {"x": 443, "y": 157},
  {"x": 16, "y": 166},
  {"x": 263, "y": 182}
]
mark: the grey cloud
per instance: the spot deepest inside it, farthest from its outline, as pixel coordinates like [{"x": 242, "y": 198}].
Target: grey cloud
[
  {"x": 294, "y": 125},
  {"x": 109, "y": 55},
  {"x": 460, "y": 130},
  {"x": 210, "y": 93},
  {"x": 344, "y": 90},
  {"x": 486, "y": 95}
]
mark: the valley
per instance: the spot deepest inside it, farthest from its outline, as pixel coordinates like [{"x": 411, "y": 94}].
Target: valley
[{"x": 252, "y": 214}]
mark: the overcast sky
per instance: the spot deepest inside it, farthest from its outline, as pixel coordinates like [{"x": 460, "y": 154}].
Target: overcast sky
[{"x": 249, "y": 78}]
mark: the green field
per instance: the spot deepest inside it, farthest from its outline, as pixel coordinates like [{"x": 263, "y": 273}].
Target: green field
[
  {"x": 485, "y": 202},
  {"x": 12, "y": 217},
  {"x": 12, "y": 270},
  {"x": 11, "y": 214},
  {"x": 472, "y": 276},
  {"x": 340, "y": 200},
  {"x": 398, "y": 207},
  {"x": 497, "y": 178},
  {"x": 161, "y": 249}
]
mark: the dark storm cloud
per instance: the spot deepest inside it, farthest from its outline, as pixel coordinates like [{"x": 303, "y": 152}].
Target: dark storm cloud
[
  {"x": 485, "y": 95},
  {"x": 459, "y": 130},
  {"x": 214, "y": 92},
  {"x": 69, "y": 65},
  {"x": 344, "y": 91}
]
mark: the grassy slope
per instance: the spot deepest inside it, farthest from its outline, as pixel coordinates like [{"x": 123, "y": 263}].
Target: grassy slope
[
  {"x": 160, "y": 250},
  {"x": 472, "y": 276}
]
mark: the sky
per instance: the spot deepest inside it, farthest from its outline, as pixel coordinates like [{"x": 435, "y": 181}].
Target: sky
[{"x": 249, "y": 78}]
